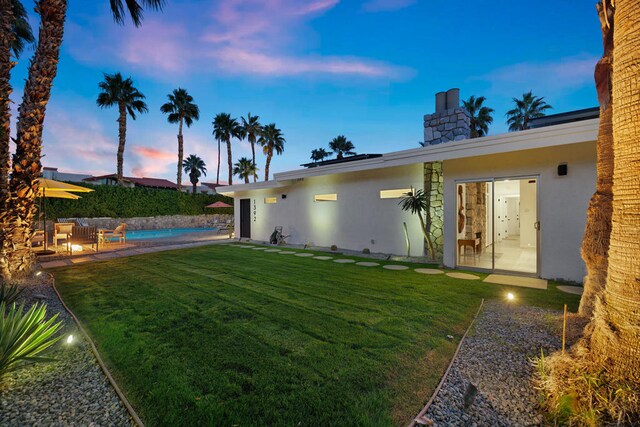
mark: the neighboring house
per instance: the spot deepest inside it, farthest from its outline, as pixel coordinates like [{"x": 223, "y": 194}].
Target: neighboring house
[
  {"x": 513, "y": 202},
  {"x": 53, "y": 173},
  {"x": 157, "y": 183},
  {"x": 203, "y": 188}
]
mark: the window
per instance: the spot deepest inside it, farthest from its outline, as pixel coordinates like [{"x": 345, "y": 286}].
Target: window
[
  {"x": 270, "y": 200},
  {"x": 394, "y": 194},
  {"x": 325, "y": 197}
]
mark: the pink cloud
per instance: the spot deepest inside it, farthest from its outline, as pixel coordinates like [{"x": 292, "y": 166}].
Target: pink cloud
[
  {"x": 386, "y": 5},
  {"x": 154, "y": 153}
]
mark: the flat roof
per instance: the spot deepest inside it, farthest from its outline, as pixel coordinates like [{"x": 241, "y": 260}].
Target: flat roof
[{"x": 548, "y": 136}]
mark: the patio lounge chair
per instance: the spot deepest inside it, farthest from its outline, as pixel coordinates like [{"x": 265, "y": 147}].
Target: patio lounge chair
[
  {"x": 225, "y": 227},
  {"x": 277, "y": 238},
  {"x": 120, "y": 233},
  {"x": 82, "y": 236},
  {"x": 61, "y": 231},
  {"x": 38, "y": 237}
]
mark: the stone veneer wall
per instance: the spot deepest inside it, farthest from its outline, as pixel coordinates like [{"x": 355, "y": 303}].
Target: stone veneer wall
[
  {"x": 158, "y": 222},
  {"x": 475, "y": 211},
  {"x": 433, "y": 188},
  {"x": 453, "y": 124}
]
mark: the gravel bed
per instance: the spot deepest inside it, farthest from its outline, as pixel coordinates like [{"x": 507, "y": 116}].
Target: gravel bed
[
  {"x": 496, "y": 358},
  {"x": 70, "y": 391}
]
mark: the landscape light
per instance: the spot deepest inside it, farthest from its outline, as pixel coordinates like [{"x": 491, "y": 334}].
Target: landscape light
[
  {"x": 38, "y": 273},
  {"x": 510, "y": 296},
  {"x": 69, "y": 339}
]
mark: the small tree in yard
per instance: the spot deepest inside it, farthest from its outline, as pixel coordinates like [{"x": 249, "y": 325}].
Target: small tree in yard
[{"x": 415, "y": 201}]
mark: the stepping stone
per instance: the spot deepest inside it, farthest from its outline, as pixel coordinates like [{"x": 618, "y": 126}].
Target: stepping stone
[
  {"x": 81, "y": 259},
  {"x": 286, "y": 253},
  {"x": 368, "y": 264},
  {"x": 53, "y": 264},
  {"x": 577, "y": 290},
  {"x": 395, "y": 267},
  {"x": 273, "y": 250},
  {"x": 428, "y": 271},
  {"x": 323, "y": 258},
  {"x": 343, "y": 261},
  {"x": 463, "y": 276},
  {"x": 304, "y": 254},
  {"x": 259, "y": 249},
  {"x": 247, "y": 246},
  {"x": 524, "y": 282}
]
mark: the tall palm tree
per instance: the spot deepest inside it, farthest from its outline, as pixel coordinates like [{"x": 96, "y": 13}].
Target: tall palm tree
[
  {"x": 527, "y": 108},
  {"x": 271, "y": 139},
  {"x": 480, "y": 115},
  {"x": 250, "y": 129},
  {"x": 121, "y": 92},
  {"x": 15, "y": 33},
  {"x": 415, "y": 201},
  {"x": 244, "y": 168},
  {"x": 36, "y": 94},
  {"x": 319, "y": 154},
  {"x": 225, "y": 128},
  {"x": 616, "y": 322},
  {"x": 195, "y": 167},
  {"x": 180, "y": 109},
  {"x": 595, "y": 244},
  {"x": 342, "y": 146}
]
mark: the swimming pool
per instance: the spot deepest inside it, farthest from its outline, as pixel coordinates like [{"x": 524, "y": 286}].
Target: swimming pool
[{"x": 163, "y": 233}]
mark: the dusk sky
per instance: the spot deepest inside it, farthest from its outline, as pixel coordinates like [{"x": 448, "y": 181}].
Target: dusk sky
[{"x": 367, "y": 69}]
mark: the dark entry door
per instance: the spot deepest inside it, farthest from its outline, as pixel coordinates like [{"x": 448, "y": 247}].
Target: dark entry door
[{"x": 245, "y": 218}]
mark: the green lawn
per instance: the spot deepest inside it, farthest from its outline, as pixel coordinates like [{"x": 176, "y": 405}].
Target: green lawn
[{"x": 223, "y": 335}]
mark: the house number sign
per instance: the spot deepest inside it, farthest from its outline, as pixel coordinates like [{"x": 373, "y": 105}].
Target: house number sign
[{"x": 255, "y": 217}]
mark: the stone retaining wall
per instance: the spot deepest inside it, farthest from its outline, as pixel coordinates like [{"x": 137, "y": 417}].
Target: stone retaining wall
[{"x": 159, "y": 222}]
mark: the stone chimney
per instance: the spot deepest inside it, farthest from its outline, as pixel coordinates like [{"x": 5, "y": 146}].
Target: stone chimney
[{"x": 450, "y": 122}]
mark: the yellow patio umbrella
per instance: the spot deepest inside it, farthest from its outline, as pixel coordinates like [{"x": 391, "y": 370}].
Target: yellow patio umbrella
[{"x": 57, "y": 190}]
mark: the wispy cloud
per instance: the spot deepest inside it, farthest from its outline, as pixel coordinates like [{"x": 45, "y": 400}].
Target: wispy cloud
[
  {"x": 386, "y": 5},
  {"x": 543, "y": 78},
  {"x": 252, "y": 37}
]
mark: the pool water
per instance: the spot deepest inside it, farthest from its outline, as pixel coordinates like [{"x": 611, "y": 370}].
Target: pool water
[{"x": 163, "y": 233}]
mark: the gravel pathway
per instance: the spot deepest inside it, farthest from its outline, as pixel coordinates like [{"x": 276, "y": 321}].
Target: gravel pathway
[
  {"x": 71, "y": 391},
  {"x": 496, "y": 358}
]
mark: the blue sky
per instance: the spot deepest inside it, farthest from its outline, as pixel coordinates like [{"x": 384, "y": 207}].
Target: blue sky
[{"x": 367, "y": 69}]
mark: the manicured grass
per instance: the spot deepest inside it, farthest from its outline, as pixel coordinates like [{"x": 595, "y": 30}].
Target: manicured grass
[{"x": 220, "y": 335}]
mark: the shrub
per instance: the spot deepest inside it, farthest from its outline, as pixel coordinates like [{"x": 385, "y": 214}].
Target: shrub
[
  {"x": 24, "y": 335},
  {"x": 366, "y": 251},
  {"x": 334, "y": 248},
  {"x": 9, "y": 293},
  {"x": 122, "y": 202}
]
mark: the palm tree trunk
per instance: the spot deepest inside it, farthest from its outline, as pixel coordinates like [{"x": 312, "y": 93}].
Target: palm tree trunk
[
  {"x": 27, "y": 166},
  {"x": 253, "y": 159},
  {"x": 246, "y": 179},
  {"x": 218, "y": 172},
  {"x": 427, "y": 237},
  {"x": 230, "y": 161},
  {"x": 595, "y": 245},
  {"x": 122, "y": 137},
  {"x": 615, "y": 341},
  {"x": 180, "y": 156},
  {"x": 6, "y": 41},
  {"x": 195, "y": 184},
  {"x": 266, "y": 165}
]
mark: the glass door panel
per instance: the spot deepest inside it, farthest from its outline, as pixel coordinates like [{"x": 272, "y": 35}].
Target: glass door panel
[{"x": 474, "y": 224}]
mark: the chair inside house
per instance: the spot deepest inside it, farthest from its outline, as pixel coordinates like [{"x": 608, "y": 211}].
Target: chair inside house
[
  {"x": 120, "y": 233},
  {"x": 61, "y": 231},
  {"x": 80, "y": 237}
]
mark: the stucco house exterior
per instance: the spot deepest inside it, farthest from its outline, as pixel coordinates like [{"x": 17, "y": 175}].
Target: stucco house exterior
[{"x": 513, "y": 202}]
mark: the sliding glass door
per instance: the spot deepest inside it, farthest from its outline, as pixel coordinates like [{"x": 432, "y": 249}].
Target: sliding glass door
[{"x": 497, "y": 225}]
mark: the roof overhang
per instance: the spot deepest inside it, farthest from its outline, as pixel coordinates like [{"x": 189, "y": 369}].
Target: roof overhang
[{"x": 551, "y": 136}]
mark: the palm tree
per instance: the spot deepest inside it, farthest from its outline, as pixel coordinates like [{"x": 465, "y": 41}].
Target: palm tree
[
  {"x": 319, "y": 154},
  {"x": 250, "y": 129},
  {"x": 180, "y": 108},
  {"x": 342, "y": 146},
  {"x": 195, "y": 167},
  {"x": 225, "y": 128},
  {"x": 480, "y": 115},
  {"x": 595, "y": 244},
  {"x": 121, "y": 92},
  {"x": 244, "y": 168},
  {"x": 415, "y": 201},
  {"x": 527, "y": 108},
  {"x": 271, "y": 139}
]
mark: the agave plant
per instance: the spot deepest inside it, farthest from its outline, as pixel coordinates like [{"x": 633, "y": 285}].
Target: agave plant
[
  {"x": 24, "y": 335},
  {"x": 9, "y": 293}
]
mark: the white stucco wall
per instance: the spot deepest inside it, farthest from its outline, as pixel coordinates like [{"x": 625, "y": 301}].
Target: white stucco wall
[
  {"x": 562, "y": 202},
  {"x": 356, "y": 219}
]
